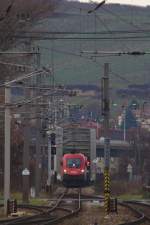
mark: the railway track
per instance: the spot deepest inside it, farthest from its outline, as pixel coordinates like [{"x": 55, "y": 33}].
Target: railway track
[
  {"x": 68, "y": 204},
  {"x": 55, "y": 213},
  {"x": 141, "y": 211}
]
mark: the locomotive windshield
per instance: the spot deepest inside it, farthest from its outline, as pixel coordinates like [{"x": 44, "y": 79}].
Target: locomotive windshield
[{"x": 74, "y": 163}]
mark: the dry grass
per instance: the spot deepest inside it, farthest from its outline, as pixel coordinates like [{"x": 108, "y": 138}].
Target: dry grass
[{"x": 123, "y": 187}]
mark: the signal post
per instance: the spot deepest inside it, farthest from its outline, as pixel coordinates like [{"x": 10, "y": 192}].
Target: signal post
[
  {"x": 51, "y": 154},
  {"x": 105, "y": 113}
]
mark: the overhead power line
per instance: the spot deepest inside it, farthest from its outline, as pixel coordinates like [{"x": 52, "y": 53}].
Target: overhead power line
[
  {"x": 24, "y": 77},
  {"x": 15, "y": 64},
  {"x": 120, "y": 77},
  {"x": 108, "y": 32},
  {"x": 40, "y": 37},
  {"x": 116, "y": 53}
]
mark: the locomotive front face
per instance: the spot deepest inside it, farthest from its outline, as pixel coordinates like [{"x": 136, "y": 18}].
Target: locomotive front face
[
  {"x": 74, "y": 170},
  {"x": 74, "y": 166}
]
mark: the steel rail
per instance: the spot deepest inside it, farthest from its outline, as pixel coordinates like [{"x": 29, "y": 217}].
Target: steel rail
[
  {"x": 29, "y": 219},
  {"x": 32, "y": 207},
  {"x": 141, "y": 216},
  {"x": 70, "y": 214},
  {"x": 139, "y": 203},
  {"x": 137, "y": 37},
  {"x": 51, "y": 219}
]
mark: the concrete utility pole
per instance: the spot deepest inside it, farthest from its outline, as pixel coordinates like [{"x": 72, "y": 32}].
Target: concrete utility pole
[
  {"x": 49, "y": 182},
  {"x": 7, "y": 149},
  {"x": 124, "y": 124},
  {"x": 26, "y": 173},
  {"x": 26, "y": 151},
  {"x": 38, "y": 139},
  {"x": 105, "y": 113},
  {"x": 92, "y": 150},
  {"x": 59, "y": 150},
  {"x": 38, "y": 158},
  {"x": 51, "y": 122},
  {"x": 49, "y": 132}
]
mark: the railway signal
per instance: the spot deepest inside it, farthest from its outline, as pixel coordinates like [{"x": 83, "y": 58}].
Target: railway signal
[{"x": 53, "y": 143}]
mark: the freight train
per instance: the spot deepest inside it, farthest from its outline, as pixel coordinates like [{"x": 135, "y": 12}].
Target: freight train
[{"x": 75, "y": 170}]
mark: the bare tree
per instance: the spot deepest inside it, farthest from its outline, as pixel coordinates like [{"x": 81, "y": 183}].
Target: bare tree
[
  {"x": 20, "y": 15},
  {"x": 17, "y": 16}
]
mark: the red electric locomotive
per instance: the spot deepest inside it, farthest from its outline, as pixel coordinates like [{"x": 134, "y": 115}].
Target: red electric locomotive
[{"x": 75, "y": 170}]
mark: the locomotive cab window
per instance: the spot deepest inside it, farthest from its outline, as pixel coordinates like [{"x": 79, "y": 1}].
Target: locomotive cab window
[{"x": 73, "y": 163}]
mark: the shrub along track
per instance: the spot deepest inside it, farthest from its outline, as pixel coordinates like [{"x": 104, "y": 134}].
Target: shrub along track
[{"x": 49, "y": 215}]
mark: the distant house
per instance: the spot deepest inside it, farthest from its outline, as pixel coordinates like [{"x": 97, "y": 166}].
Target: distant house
[
  {"x": 140, "y": 91},
  {"x": 84, "y": 89}
]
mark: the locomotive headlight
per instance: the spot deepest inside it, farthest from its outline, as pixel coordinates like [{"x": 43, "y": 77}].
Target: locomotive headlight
[
  {"x": 82, "y": 171},
  {"x": 65, "y": 171}
]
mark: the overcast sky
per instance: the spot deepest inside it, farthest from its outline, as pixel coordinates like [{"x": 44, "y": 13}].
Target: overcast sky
[{"x": 132, "y": 2}]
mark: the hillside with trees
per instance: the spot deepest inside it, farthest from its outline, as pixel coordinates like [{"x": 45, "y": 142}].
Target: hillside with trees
[{"x": 120, "y": 28}]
